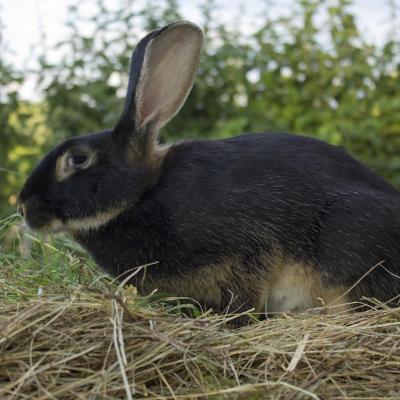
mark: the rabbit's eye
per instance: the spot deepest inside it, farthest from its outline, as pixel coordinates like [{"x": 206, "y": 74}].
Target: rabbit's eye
[{"x": 77, "y": 160}]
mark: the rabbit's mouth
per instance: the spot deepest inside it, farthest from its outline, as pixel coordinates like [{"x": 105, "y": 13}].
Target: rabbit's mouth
[{"x": 38, "y": 216}]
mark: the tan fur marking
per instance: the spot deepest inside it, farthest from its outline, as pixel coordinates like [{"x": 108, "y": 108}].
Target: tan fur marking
[
  {"x": 60, "y": 168},
  {"x": 335, "y": 301},
  {"x": 83, "y": 224},
  {"x": 274, "y": 286},
  {"x": 62, "y": 172},
  {"x": 203, "y": 285},
  {"x": 95, "y": 221},
  {"x": 156, "y": 155},
  {"x": 297, "y": 287}
]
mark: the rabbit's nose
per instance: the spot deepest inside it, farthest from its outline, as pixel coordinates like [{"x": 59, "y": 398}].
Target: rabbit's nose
[{"x": 21, "y": 209}]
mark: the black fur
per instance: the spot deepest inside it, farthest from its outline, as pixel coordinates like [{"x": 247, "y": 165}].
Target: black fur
[
  {"x": 207, "y": 203},
  {"x": 250, "y": 194},
  {"x": 84, "y": 194}
]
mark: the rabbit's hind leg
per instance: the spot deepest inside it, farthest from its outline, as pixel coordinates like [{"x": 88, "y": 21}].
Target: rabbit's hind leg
[{"x": 359, "y": 247}]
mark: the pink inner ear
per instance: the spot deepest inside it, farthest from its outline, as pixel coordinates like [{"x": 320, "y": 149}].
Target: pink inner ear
[{"x": 167, "y": 74}]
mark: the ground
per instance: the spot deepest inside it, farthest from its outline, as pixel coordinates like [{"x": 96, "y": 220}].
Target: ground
[{"x": 69, "y": 332}]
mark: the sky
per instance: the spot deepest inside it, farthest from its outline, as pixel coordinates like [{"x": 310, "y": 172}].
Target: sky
[{"x": 24, "y": 20}]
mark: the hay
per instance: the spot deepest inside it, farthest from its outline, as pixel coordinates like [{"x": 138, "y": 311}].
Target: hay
[{"x": 93, "y": 345}]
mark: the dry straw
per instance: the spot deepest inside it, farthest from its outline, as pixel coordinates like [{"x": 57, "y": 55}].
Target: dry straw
[{"x": 94, "y": 345}]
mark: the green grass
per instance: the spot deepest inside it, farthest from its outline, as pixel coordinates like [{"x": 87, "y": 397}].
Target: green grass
[{"x": 31, "y": 263}]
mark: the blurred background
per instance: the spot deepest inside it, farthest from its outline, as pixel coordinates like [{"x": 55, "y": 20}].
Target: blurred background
[{"x": 324, "y": 68}]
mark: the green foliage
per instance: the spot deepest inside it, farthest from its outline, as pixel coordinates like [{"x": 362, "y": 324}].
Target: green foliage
[
  {"x": 17, "y": 146},
  {"x": 311, "y": 72}
]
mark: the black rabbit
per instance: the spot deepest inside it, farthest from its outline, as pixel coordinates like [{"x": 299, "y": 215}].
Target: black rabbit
[{"x": 271, "y": 221}]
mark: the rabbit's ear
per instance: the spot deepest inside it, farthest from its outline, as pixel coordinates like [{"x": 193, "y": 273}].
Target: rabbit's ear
[{"x": 163, "y": 68}]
